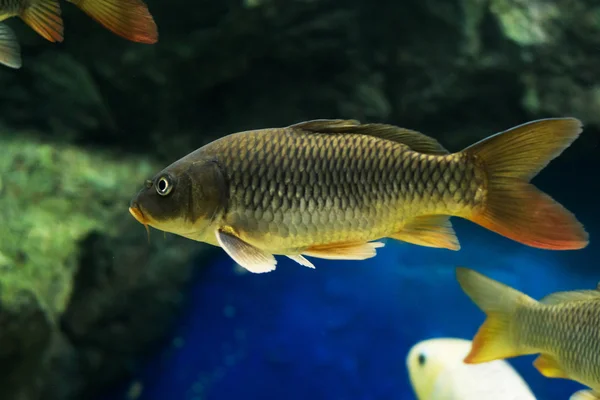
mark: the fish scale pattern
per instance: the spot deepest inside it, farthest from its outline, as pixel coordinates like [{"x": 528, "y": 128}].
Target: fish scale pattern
[
  {"x": 569, "y": 331},
  {"x": 292, "y": 189}
]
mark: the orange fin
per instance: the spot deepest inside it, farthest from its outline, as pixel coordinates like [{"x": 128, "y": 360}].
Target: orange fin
[
  {"x": 344, "y": 251},
  {"x": 44, "y": 17},
  {"x": 10, "y": 51},
  {"x": 430, "y": 231},
  {"x": 549, "y": 367},
  {"x": 129, "y": 19},
  {"x": 515, "y": 208},
  {"x": 493, "y": 340}
]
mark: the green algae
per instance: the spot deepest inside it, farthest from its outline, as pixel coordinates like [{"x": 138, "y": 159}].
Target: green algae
[
  {"x": 52, "y": 196},
  {"x": 527, "y": 22}
]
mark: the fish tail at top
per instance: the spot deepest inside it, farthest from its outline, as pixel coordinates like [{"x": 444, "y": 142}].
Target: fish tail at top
[
  {"x": 129, "y": 19},
  {"x": 515, "y": 208}
]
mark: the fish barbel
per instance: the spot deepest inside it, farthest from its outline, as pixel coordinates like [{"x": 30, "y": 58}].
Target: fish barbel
[
  {"x": 563, "y": 327},
  {"x": 328, "y": 188}
]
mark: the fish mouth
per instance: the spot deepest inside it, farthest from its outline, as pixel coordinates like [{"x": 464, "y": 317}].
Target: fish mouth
[{"x": 137, "y": 213}]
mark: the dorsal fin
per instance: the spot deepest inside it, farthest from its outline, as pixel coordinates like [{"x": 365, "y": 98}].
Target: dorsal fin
[
  {"x": 575, "y": 295},
  {"x": 416, "y": 141}
]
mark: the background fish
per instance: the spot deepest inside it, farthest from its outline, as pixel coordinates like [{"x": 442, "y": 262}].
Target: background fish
[
  {"x": 326, "y": 188},
  {"x": 10, "y": 51},
  {"x": 129, "y": 19},
  {"x": 437, "y": 372},
  {"x": 564, "y": 327}
]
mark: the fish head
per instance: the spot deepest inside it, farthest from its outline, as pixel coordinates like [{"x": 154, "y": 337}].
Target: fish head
[
  {"x": 185, "y": 198},
  {"x": 431, "y": 360}
]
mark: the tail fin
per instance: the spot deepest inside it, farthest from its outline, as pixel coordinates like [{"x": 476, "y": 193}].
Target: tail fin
[
  {"x": 129, "y": 19},
  {"x": 515, "y": 208},
  {"x": 499, "y": 302},
  {"x": 10, "y": 51}
]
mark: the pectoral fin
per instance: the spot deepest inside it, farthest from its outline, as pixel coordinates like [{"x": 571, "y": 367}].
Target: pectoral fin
[
  {"x": 344, "y": 250},
  {"x": 246, "y": 255},
  {"x": 585, "y": 395},
  {"x": 549, "y": 367}
]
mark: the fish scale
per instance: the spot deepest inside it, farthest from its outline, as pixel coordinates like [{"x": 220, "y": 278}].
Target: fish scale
[{"x": 366, "y": 191}]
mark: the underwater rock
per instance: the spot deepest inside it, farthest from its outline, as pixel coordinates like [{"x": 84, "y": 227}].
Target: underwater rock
[
  {"x": 458, "y": 70},
  {"x": 82, "y": 293}
]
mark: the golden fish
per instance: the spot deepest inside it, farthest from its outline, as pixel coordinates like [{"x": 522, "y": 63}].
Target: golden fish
[
  {"x": 327, "y": 188},
  {"x": 10, "y": 50},
  {"x": 129, "y": 19},
  {"x": 563, "y": 327}
]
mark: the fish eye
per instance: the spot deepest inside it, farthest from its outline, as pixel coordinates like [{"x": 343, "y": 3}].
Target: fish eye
[
  {"x": 422, "y": 359},
  {"x": 163, "y": 186}
]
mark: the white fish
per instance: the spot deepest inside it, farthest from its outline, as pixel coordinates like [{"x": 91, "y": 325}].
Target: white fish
[{"x": 437, "y": 372}]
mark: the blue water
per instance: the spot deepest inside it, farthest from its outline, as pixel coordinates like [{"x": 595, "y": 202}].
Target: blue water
[{"x": 342, "y": 331}]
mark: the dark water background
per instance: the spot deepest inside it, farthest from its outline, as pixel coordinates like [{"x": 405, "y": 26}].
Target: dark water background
[{"x": 342, "y": 331}]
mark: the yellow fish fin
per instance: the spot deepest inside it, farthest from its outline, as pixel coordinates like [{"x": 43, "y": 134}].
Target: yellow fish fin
[
  {"x": 585, "y": 395},
  {"x": 344, "y": 251},
  {"x": 44, "y": 17},
  {"x": 499, "y": 302},
  {"x": 302, "y": 261},
  {"x": 430, "y": 231},
  {"x": 515, "y": 208},
  {"x": 246, "y": 255},
  {"x": 574, "y": 295},
  {"x": 129, "y": 19},
  {"x": 10, "y": 51},
  {"x": 416, "y": 141},
  {"x": 549, "y": 367}
]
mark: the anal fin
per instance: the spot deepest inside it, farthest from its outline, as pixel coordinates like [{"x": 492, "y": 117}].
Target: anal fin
[
  {"x": 246, "y": 255},
  {"x": 549, "y": 367},
  {"x": 585, "y": 395},
  {"x": 44, "y": 17},
  {"x": 344, "y": 250},
  {"x": 429, "y": 231},
  {"x": 302, "y": 261}
]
